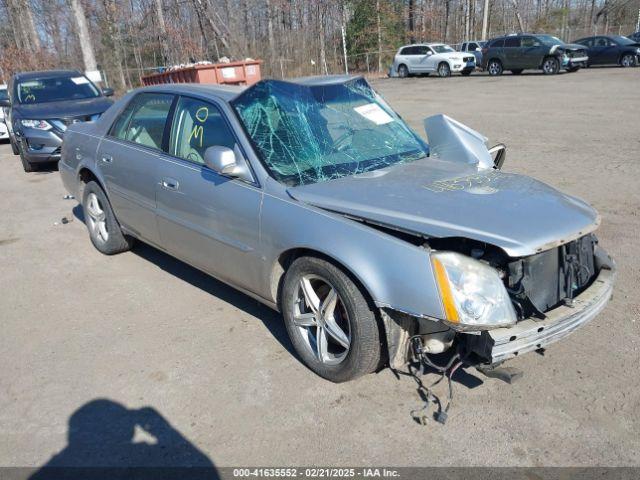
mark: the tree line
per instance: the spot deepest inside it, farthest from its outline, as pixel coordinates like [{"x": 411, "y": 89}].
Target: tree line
[{"x": 126, "y": 39}]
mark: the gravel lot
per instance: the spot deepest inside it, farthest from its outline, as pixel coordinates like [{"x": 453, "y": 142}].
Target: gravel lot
[{"x": 142, "y": 329}]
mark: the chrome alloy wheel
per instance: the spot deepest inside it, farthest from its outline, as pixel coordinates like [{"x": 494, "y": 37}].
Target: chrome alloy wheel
[
  {"x": 550, "y": 66},
  {"x": 321, "y": 317},
  {"x": 97, "y": 219},
  {"x": 494, "y": 68}
]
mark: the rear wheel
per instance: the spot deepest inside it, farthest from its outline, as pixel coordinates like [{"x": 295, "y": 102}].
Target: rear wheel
[
  {"x": 104, "y": 230},
  {"x": 550, "y": 66},
  {"x": 403, "y": 71},
  {"x": 494, "y": 68},
  {"x": 330, "y": 323},
  {"x": 517, "y": 71},
  {"x": 444, "y": 70},
  {"x": 628, "y": 60}
]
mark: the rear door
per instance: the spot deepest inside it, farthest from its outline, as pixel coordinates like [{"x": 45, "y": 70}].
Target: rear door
[
  {"x": 512, "y": 54},
  {"x": 209, "y": 220},
  {"x": 128, "y": 159}
]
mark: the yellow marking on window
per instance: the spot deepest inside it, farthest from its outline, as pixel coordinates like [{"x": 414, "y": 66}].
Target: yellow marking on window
[
  {"x": 197, "y": 132},
  {"x": 199, "y": 114}
]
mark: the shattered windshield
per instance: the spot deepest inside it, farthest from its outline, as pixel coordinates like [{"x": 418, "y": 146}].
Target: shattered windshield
[{"x": 313, "y": 133}]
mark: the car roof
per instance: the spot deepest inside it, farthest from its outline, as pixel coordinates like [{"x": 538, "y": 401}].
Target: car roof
[
  {"x": 229, "y": 92},
  {"x": 429, "y": 44},
  {"x": 45, "y": 73}
]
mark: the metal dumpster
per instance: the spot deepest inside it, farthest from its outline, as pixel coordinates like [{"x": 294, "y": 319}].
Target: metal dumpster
[{"x": 246, "y": 72}]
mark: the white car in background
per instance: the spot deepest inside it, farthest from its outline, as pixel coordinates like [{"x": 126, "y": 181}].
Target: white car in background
[
  {"x": 428, "y": 58},
  {"x": 4, "y": 131}
]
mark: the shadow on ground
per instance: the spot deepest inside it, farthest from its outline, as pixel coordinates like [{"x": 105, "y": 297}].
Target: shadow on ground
[
  {"x": 271, "y": 319},
  {"x": 108, "y": 440}
]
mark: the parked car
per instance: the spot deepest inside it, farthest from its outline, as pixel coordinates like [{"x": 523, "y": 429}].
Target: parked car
[
  {"x": 611, "y": 50},
  {"x": 635, "y": 37},
  {"x": 474, "y": 47},
  {"x": 432, "y": 58},
  {"x": 4, "y": 132},
  {"x": 532, "y": 51},
  {"x": 314, "y": 197},
  {"x": 40, "y": 107}
]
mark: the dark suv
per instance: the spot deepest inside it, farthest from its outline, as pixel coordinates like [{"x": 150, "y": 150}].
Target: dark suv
[
  {"x": 532, "y": 51},
  {"x": 40, "y": 107}
]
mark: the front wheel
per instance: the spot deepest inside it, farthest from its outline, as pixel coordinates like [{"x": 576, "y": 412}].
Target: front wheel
[
  {"x": 628, "y": 61},
  {"x": 27, "y": 166},
  {"x": 444, "y": 70},
  {"x": 550, "y": 66},
  {"x": 104, "y": 230},
  {"x": 494, "y": 68},
  {"x": 332, "y": 326},
  {"x": 14, "y": 147}
]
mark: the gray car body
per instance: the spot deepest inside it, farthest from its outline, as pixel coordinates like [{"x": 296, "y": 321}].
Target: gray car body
[{"x": 243, "y": 232}]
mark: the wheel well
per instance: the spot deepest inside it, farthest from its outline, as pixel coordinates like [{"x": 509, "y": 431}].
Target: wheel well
[
  {"x": 85, "y": 176},
  {"x": 286, "y": 258},
  {"x": 494, "y": 60}
]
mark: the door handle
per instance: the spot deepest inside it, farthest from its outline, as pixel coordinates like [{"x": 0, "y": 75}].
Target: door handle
[
  {"x": 170, "y": 183},
  {"x": 107, "y": 159}
]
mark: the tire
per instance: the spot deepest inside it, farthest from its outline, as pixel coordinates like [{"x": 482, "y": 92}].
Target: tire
[
  {"x": 550, "y": 66},
  {"x": 628, "y": 60},
  {"x": 27, "y": 166},
  {"x": 466, "y": 73},
  {"x": 444, "y": 70},
  {"x": 573, "y": 69},
  {"x": 14, "y": 147},
  {"x": 352, "y": 348},
  {"x": 494, "y": 67},
  {"x": 517, "y": 71},
  {"x": 403, "y": 71},
  {"x": 104, "y": 230}
]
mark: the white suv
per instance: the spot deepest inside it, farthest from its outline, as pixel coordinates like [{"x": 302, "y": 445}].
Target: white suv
[
  {"x": 4, "y": 132},
  {"x": 432, "y": 58}
]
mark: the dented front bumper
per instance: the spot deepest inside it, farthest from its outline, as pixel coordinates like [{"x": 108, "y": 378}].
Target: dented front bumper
[{"x": 496, "y": 346}]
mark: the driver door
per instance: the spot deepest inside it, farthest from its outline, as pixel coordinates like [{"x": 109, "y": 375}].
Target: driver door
[
  {"x": 429, "y": 59},
  {"x": 209, "y": 220}
]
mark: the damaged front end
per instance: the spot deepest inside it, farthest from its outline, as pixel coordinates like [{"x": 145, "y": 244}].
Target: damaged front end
[{"x": 552, "y": 293}]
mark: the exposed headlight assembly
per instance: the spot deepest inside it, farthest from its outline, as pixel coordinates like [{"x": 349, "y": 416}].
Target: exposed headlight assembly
[
  {"x": 473, "y": 296},
  {"x": 37, "y": 124}
]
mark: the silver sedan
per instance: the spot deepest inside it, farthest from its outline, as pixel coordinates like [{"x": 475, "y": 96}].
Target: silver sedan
[{"x": 314, "y": 197}]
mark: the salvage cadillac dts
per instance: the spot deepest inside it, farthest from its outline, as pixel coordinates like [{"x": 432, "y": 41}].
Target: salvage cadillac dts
[{"x": 314, "y": 197}]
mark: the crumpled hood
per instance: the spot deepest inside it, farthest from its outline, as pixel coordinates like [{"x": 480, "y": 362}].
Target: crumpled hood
[
  {"x": 570, "y": 47},
  {"x": 63, "y": 109},
  {"x": 437, "y": 198}
]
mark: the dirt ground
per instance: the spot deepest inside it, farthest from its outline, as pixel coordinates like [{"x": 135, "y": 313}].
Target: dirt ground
[{"x": 144, "y": 330}]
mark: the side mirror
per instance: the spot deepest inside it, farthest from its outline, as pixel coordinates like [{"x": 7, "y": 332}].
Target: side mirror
[
  {"x": 107, "y": 92},
  {"x": 499, "y": 155},
  {"x": 5, "y": 103},
  {"x": 478, "y": 49},
  {"x": 224, "y": 161}
]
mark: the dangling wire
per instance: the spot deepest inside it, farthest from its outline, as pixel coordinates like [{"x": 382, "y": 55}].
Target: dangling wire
[{"x": 419, "y": 355}]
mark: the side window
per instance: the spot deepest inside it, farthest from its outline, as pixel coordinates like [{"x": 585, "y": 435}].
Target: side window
[
  {"x": 472, "y": 47},
  {"x": 144, "y": 119},
  {"x": 463, "y": 48},
  {"x": 512, "y": 42},
  {"x": 498, "y": 43},
  {"x": 406, "y": 51},
  {"x": 422, "y": 50},
  {"x": 529, "y": 42},
  {"x": 601, "y": 42},
  {"x": 198, "y": 125}
]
